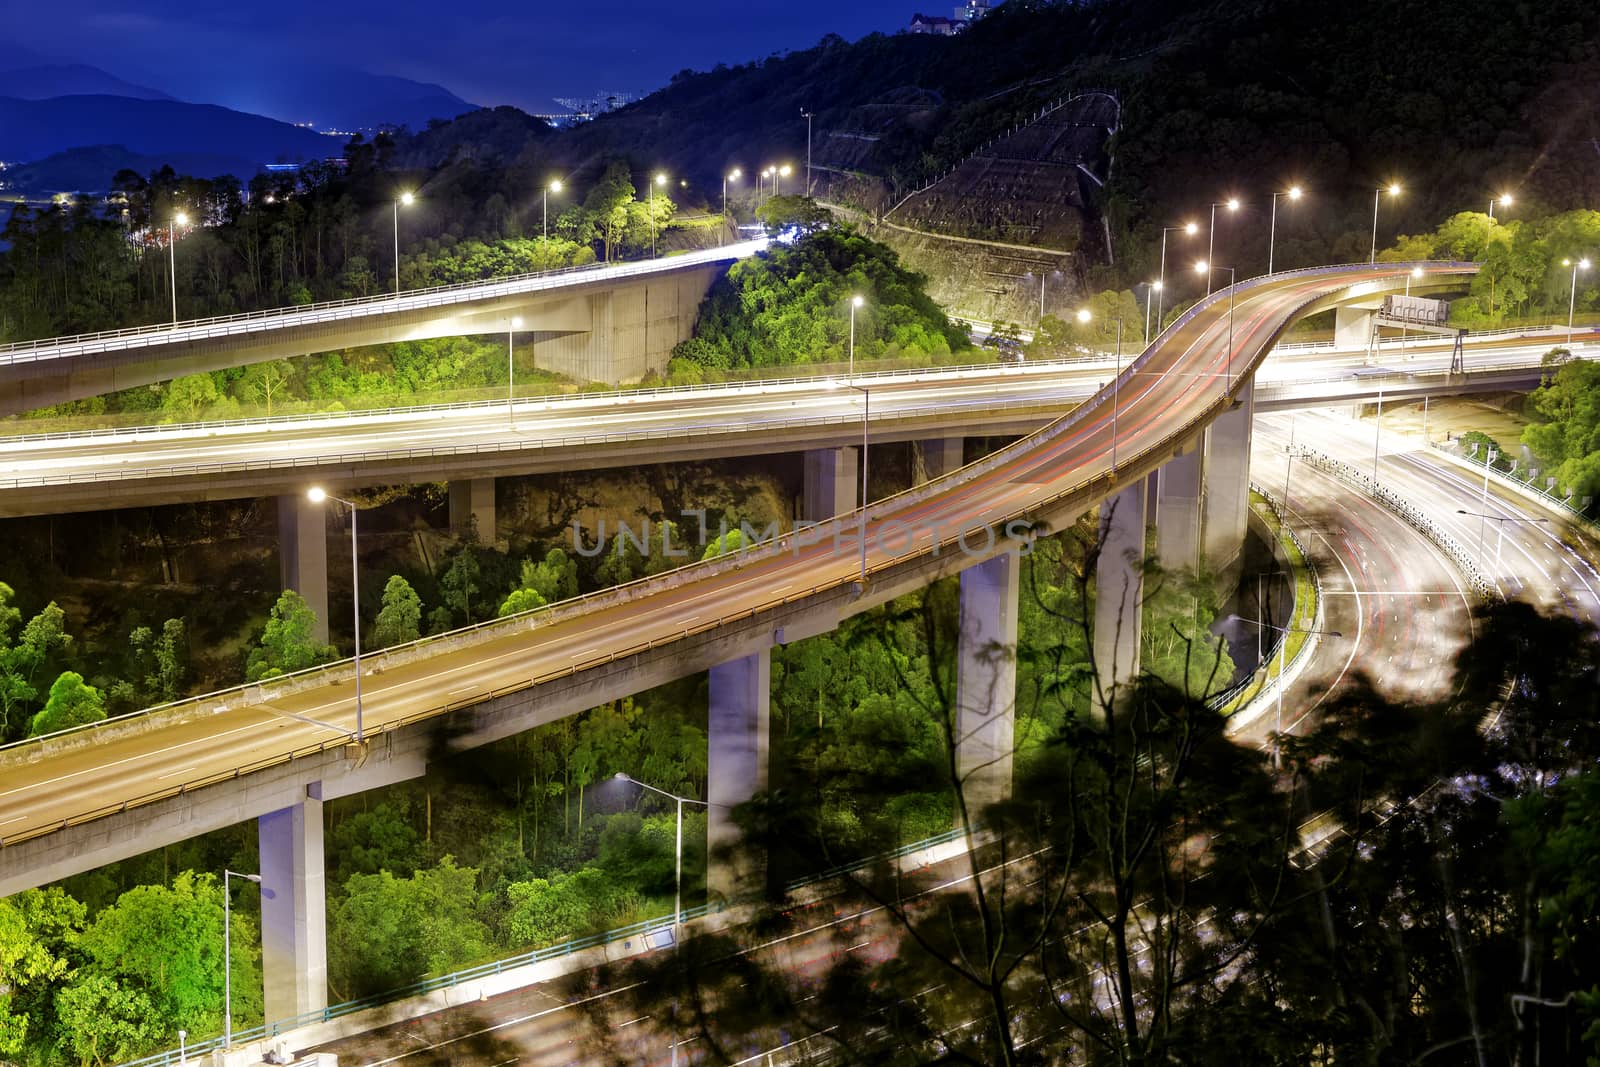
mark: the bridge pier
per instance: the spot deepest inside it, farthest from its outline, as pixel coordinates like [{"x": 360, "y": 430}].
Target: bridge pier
[
  {"x": 936, "y": 457},
  {"x": 830, "y": 484},
  {"x": 1225, "y": 509},
  {"x": 986, "y": 680},
  {"x": 472, "y": 503},
  {"x": 294, "y": 928},
  {"x": 1119, "y": 591},
  {"x": 303, "y": 554},
  {"x": 1180, "y": 485},
  {"x": 1352, "y": 326},
  {"x": 736, "y": 765}
]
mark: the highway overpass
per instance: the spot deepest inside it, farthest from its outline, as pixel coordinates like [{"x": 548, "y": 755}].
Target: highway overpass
[
  {"x": 1180, "y": 412},
  {"x": 610, "y": 322}
]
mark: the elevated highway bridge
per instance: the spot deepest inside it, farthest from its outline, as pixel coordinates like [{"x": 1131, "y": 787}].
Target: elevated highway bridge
[{"x": 1179, "y": 413}]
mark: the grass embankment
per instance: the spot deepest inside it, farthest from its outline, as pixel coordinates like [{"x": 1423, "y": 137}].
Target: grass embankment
[{"x": 1301, "y": 619}]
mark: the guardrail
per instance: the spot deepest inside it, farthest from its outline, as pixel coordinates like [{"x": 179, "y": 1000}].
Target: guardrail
[
  {"x": 1523, "y": 487},
  {"x": 358, "y": 307},
  {"x": 1414, "y": 517},
  {"x": 1078, "y": 495},
  {"x": 644, "y": 928}
]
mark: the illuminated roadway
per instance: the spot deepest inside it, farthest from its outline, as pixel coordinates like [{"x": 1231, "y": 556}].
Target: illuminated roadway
[
  {"x": 121, "y": 780},
  {"x": 154, "y": 465}
]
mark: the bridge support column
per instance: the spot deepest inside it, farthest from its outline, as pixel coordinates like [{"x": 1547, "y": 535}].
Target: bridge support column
[
  {"x": 935, "y": 458},
  {"x": 1179, "y": 485},
  {"x": 1352, "y": 327},
  {"x": 830, "y": 483},
  {"x": 303, "y": 554},
  {"x": 1119, "y": 591},
  {"x": 472, "y": 503},
  {"x": 736, "y": 765},
  {"x": 1226, "y": 505},
  {"x": 294, "y": 931},
  {"x": 986, "y": 680}
]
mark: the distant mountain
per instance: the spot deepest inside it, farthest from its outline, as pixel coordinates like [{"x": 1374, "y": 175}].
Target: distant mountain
[
  {"x": 31, "y": 130},
  {"x": 91, "y": 168},
  {"x": 347, "y": 100},
  {"x": 69, "y": 79}
]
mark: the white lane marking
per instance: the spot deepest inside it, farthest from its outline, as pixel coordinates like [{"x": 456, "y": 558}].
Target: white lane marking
[
  {"x": 14, "y": 818},
  {"x": 174, "y": 774},
  {"x": 97, "y": 768},
  {"x": 463, "y": 689},
  {"x": 630, "y": 1022}
]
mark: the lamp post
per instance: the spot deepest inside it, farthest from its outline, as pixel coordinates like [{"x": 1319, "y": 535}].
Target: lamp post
[
  {"x": 227, "y": 953},
  {"x": 866, "y": 422},
  {"x": 1206, "y": 268},
  {"x": 316, "y": 494},
  {"x": 407, "y": 200},
  {"x": 1083, "y": 316},
  {"x": 1150, "y": 288},
  {"x": 808, "y": 117},
  {"x": 761, "y": 185},
  {"x": 1405, "y": 331},
  {"x": 1294, "y": 192},
  {"x": 1189, "y": 229},
  {"x": 1283, "y": 654},
  {"x": 855, "y": 302},
  {"x": 1393, "y": 189},
  {"x": 677, "y": 891},
  {"x": 659, "y": 179},
  {"x": 178, "y": 219},
  {"x": 1572, "y": 297},
  {"x": 732, "y": 175},
  {"x": 1502, "y": 520},
  {"x": 1232, "y": 204},
  {"x": 783, "y": 172},
  {"x": 553, "y": 187},
  {"x": 1504, "y": 200},
  {"x": 511, "y": 372}
]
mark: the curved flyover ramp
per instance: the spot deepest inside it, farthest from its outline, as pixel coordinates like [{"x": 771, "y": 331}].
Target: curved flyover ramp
[{"x": 82, "y": 799}]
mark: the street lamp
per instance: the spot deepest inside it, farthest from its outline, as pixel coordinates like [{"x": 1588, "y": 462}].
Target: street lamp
[
  {"x": 227, "y": 953},
  {"x": 1504, "y": 200},
  {"x": 316, "y": 494},
  {"x": 511, "y": 375},
  {"x": 1189, "y": 229},
  {"x": 179, "y": 219},
  {"x": 553, "y": 187},
  {"x": 1283, "y": 653},
  {"x": 855, "y": 302},
  {"x": 660, "y": 179},
  {"x": 1150, "y": 287},
  {"x": 1204, "y": 267},
  {"x": 808, "y": 117},
  {"x": 1572, "y": 297},
  {"x": 1232, "y": 204},
  {"x": 1405, "y": 331},
  {"x": 783, "y": 172},
  {"x": 1393, "y": 189},
  {"x": 677, "y": 892},
  {"x": 732, "y": 175},
  {"x": 406, "y": 199},
  {"x": 1502, "y": 520},
  {"x": 1294, "y": 192}
]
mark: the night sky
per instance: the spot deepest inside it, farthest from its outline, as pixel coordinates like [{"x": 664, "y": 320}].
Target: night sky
[{"x": 486, "y": 51}]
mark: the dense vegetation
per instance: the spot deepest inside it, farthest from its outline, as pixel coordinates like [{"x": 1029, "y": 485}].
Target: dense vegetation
[{"x": 792, "y": 304}]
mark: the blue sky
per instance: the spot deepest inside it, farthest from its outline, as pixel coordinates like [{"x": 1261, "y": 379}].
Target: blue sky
[{"x": 520, "y": 53}]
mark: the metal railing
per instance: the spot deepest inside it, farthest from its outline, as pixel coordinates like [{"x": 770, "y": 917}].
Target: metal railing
[
  {"x": 1522, "y": 486},
  {"x": 363, "y": 306},
  {"x": 645, "y": 928}
]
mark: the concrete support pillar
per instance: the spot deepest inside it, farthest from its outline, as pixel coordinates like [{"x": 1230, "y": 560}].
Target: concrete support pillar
[
  {"x": 1119, "y": 589},
  {"x": 472, "y": 502},
  {"x": 830, "y": 487},
  {"x": 736, "y": 766},
  {"x": 1178, "y": 493},
  {"x": 986, "y": 680},
  {"x": 1352, "y": 327},
  {"x": 1226, "y": 502},
  {"x": 935, "y": 458},
  {"x": 303, "y": 554},
  {"x": 294, "y": 929}
]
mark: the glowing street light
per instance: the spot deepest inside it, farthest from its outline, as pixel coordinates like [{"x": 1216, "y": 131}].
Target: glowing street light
[
  {"x": 731, "y": 176},
  {"x": 178, "y": 219},
  {"x": 1294, "y": 192},
  {"x": 783, "y": 172},
  {"x": 1572, "y": 297},
  {"x": 1393, "y": 189},
  {"x": 316, "y": 494},
  {"x": 406, "y": 199},
  {"x": 1504, "y": 200},
  {"x": 660, "y": 179},
  {"x": 553, "y": 187},
  {"x": 855, "y": 302},
  {"x": 1189, "y": 230},
  {"x": 1232, "y": 204}
]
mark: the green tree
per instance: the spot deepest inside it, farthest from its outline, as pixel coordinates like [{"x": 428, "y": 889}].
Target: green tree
[
  {"x": 400, "y": 616},
  {"x": 187, "y": 399},
  {"x": 1565, "y": 433},
  {"x": 23, "y": 654},
  {"x": 289, "y": 642},
  {"x": 105, "y": 1021},
  {"x": 554, "y": 578},
  {"x": 460, "y": 582},
  {"x": 262, "y": 383},
  {"x": 796, "y": 214},
  {"x": 36, "y": 928},
  {"x": 520, "y": 600},
  {"x": 385, "y": 932},
  {"x": 723, "y": 544},
  {"x": 71, "y": 703}
]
